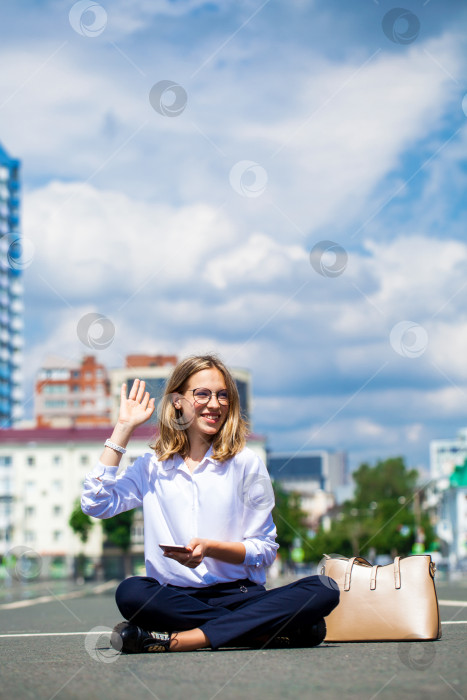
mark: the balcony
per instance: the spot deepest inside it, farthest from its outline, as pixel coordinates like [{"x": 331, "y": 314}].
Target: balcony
[
  {"x": 17, "y": 306},
  {"x": 16, "y": 341},
  {"x": 16, "y": 288}
]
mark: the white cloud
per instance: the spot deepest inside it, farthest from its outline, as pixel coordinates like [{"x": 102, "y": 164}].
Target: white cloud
[
  {"x": 349, "y": 126},
  {"x": 189, "y": 266},
  {"x": 92, "y": 243},
  {"x": 343, "y": 126},
  {"x": 417, "y": 275},
  {"x": 258, "y": 261}
]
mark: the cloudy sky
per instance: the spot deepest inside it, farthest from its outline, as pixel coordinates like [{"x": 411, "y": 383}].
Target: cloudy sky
[{"x": 280, "y": 181}]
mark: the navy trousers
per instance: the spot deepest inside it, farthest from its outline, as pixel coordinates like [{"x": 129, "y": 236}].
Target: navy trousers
[{"x": 227, "y": 612}]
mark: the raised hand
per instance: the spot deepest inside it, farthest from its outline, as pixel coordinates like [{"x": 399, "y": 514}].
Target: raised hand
[{"x": 138, "y": 407}]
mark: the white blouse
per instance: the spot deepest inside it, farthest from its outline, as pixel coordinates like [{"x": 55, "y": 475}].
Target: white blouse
[{"x": 227, "y": 501}]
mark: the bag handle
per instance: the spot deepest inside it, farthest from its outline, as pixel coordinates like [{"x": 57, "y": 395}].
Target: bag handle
[
  {"x": 397, "y": 572},
  {"x": 348, "y": 571},
  {"x": 374, "y": 571}
]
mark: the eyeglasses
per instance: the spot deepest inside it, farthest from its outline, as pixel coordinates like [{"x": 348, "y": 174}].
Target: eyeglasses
[{"x": 203, "y": 396}]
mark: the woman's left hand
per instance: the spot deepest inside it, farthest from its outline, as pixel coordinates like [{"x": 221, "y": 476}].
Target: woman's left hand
[{"x": 195, "y": 557}]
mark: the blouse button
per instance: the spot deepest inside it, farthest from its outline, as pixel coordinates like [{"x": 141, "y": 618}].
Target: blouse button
[{"x": 243, "y": 589}]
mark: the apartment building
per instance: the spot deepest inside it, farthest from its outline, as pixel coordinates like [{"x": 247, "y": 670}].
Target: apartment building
[{"x": 70, "y": 393}]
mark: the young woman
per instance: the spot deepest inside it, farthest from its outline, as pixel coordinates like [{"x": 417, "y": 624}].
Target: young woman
[{"x": 202, "y": 489}]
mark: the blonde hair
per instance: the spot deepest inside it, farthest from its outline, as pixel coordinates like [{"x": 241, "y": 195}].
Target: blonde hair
[{"x": 173, "y": 437}]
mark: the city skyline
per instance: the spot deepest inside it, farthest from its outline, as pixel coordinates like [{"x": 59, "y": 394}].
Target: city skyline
[{"x": 279, "y": 183}]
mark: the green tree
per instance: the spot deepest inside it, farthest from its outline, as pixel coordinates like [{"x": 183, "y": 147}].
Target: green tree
[
  {"x": 81, "y": 524},
  {"x": 289, "y": 518},
  {"x": 383, "y": 516},
  {"x": 118, "y": 533}
]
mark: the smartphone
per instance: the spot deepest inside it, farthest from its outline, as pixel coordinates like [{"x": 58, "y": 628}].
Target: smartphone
[{"x": 175, "y": 548}]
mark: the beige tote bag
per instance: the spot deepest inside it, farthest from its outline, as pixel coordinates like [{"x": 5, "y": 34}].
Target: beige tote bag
[{"x": 396, "y": 602}]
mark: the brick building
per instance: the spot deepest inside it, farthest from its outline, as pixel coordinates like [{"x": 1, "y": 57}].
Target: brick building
[{"x": 69, "y": 394}]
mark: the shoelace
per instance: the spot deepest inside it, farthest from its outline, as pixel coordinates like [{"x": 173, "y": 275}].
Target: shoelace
[{"x": 164, "y": 641}]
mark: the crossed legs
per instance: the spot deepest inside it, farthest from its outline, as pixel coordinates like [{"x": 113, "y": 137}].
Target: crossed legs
[{"x": 196, "y": 623}]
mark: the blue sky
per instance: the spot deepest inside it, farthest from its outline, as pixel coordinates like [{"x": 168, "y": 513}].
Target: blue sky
[{"x": 299, "y": 122}]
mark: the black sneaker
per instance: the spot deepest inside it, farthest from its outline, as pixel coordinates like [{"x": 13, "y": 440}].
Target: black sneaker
[
  {"x": 131, "y": 639},
  {"x": 309, "y": 636},
  {"x": 298, "y": 639}
]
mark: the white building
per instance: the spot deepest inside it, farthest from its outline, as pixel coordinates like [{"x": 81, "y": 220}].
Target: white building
[
  {"x": 449, "y": 492},
  {"x": 41, "y": 477},
  {"x": 447, "y": 454},
  {"x": 452, "y": 525}
]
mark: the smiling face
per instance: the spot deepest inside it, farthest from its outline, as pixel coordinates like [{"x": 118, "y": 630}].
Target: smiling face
[{"x": 208, "y": 418}]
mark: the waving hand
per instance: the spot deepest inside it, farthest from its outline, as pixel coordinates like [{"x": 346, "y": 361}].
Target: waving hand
[{"x": 138, "y": 407}]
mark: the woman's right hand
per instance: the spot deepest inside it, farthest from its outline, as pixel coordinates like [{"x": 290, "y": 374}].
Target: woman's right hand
[{"x": 138, "y": 407}]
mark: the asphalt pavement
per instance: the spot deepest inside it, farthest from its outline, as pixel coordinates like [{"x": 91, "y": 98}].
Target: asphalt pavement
[{"x": 54, "y": 643}]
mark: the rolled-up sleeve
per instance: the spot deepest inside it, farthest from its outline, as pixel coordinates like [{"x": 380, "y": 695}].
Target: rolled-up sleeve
[
  {"x": 259, "y": 529},
  {"x": 105, "y": 494}
]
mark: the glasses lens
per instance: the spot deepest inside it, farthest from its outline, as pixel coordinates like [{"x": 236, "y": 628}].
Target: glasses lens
[
  {"x": 223, "y": 397},
  {"x": 202, "y": 395}
]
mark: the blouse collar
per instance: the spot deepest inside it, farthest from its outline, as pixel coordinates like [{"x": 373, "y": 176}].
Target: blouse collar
[{"x": 176, "y": 461}]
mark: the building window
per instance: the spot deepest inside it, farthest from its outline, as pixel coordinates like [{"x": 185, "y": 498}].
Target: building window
[
  {"x": 5, "y": 461},
  {"x": 30, "y": 486},
  {"x": 5, "y": 509},
  {"x": 55, "y": 374},
  {"x": 57, "y": 535},
  {"x": 84, "y": 459},
  {"x": 29, "y": 511},
  {"x": 29, "y": 536},
  {"x": 57, "y": 510},
  {"x": 57, "y": 459},
  {"x": 55, "y": 389},
  {"x": 57, "y": 485},
  {"x": 31, "y": 461}
]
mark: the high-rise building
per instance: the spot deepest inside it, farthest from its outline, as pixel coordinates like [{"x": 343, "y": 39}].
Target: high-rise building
[
  {"x": 320, "y": 478},
  {"x": 11, "y": 291},
  {"x": 71, "y": 394},
  {"x": 321, "y": 469}
]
